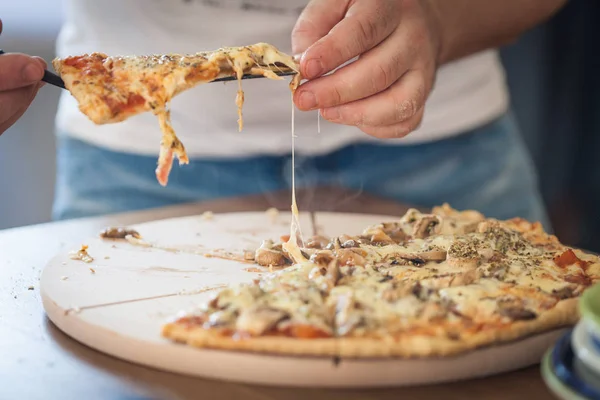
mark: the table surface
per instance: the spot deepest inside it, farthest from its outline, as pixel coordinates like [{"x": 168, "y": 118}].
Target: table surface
[{"x": 37, "y": 361}]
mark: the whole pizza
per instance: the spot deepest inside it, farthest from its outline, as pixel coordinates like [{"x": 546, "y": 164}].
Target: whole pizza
[{"x": 435, "y": 284}]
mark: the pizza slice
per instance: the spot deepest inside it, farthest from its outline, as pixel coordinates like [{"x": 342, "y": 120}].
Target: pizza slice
[{"x": 111, "y": 89}]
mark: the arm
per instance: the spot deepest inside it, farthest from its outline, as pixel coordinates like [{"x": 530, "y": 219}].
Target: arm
[
  {"x": 400, "y": 44},
  {"x": 20, "y": 79},
  {"x": 469, "y": 26}
]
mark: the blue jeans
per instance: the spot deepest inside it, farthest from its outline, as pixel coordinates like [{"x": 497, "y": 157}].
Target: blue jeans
[{"x": 487, "y": 169}]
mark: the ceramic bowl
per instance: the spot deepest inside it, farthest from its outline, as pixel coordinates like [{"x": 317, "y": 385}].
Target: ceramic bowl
[{"x": 562, "y": 367}]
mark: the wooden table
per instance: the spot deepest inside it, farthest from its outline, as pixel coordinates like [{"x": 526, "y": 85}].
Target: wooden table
[{"x": 37, "y": 361}]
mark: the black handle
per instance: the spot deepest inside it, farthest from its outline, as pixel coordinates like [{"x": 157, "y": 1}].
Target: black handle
[{"x": 49, "y": 77}]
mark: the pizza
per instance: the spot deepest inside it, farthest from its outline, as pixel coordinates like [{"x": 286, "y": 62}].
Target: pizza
[
  {"x": 427, "y": 284},
  {"x": 111, "y": 89}
]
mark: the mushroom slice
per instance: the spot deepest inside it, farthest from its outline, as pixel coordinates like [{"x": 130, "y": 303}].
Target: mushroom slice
[
  {"x": 317, "y": 242},
  {"x": 378, "y": 236},
  {"x": 259, "y": 319},
  {"x": 350, "y": 257},
  {"x": 426, "y": 226},
  {"x": 322, "y": 258},
  {"x": 221, "y": 318},
  {"x": 424, "y": 257},
  {"x": 514, "y": 309},
  {"x": 333, "y": 273},
  {"x": 346, "y": 317},
  {"x": 268, "y": 256}
]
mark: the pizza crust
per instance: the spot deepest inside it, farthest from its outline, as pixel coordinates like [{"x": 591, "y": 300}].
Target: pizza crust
[
  {"x": 565, "y": 313},
  {"x": 202, "y": 338}
]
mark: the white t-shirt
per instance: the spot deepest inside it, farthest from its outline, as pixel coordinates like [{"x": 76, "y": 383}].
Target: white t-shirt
[{"x": 468, "y": 93}]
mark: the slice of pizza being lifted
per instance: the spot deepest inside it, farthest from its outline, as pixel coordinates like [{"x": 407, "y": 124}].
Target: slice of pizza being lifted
[{"x": 112, "y": 89}]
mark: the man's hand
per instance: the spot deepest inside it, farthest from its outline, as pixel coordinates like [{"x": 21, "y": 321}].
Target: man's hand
[
  {"x": 383, "y": 93},
  {"x": 20, "y": 79},
  {"x": 400, "y": 44}
]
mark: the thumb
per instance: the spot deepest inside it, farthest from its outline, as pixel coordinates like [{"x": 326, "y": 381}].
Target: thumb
[{"x": 317, "y": 19}]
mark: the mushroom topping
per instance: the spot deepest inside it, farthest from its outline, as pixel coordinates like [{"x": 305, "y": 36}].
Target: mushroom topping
[
  {"x": 422, "y": 292},
  {"x": 394, "y": 230},
  {"x": 333, "y": 273},
  {"x": 378, "y": 236},
  {"x": 317, "y": 242},
  {"x": 426, "y": 226},
  {"x": 221, "y": 318},
  {"x": 335, "y": 244},
  {"x": 119, "y": 233},
  {"x": 322, "y": 258},
  {"x": 424, "y": 257},
  {"x": 259, "y": 319},
  {"x": 267, "y": 255},
  {"x": 514, "y": 309},
  {"x": 350, "y": 257},
  {"x": 564, "y": 293},
  {"x": 345, "y": 318}
]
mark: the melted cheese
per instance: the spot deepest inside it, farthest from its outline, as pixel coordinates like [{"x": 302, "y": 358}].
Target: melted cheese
[{"x": 292, "y": 246}]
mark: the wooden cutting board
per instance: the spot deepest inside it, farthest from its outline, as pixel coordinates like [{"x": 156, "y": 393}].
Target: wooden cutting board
[{"x": 117, "y": 304}]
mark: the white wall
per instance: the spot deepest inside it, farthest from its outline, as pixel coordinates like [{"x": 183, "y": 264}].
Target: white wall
[{"x": 27, "y": 149}]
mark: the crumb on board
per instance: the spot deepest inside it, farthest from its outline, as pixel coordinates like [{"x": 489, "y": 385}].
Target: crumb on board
[
  {"x": 207, "y": 215},
  {"x": 64, "y": 278},
  {"x": 81, "y": 255},
  {"x": 106, "y": 257},
  {"x": 72, "y": 310},
  {"x": 119, "y": 233},
  {"x": 30, "y": 288},
  {"x": 92, "y": 270}
]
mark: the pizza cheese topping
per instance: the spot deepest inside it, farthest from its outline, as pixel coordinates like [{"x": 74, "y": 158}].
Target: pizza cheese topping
[
  {"x": 444, "y": 277},
  {"x": 112, "y": 89}
]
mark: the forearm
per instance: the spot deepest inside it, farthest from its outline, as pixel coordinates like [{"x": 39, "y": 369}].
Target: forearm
[{"x": 469, "y": 26}]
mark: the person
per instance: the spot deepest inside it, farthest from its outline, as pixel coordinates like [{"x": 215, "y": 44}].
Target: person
[{"x": 421, "y": 74}]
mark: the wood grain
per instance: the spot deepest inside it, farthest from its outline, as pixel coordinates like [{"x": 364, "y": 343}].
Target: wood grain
[{"x": 40, "y": 362}]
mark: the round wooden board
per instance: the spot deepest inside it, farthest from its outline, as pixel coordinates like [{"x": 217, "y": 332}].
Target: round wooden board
[{"x": 118, "y": 303}]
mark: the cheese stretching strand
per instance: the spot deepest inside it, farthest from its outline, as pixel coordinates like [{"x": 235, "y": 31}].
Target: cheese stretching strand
[
  {"x": 112, "y": 89},
  {"x": 292, "y": 246}
]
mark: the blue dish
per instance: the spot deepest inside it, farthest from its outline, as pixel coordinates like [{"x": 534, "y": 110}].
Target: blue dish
[{"x": 563, "y": 360}]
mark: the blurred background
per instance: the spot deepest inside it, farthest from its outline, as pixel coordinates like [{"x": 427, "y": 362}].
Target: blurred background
[{"x": 553, "y": 72}]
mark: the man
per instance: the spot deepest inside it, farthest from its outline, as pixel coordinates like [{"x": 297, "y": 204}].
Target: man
[{"x": 466, "y": 149}]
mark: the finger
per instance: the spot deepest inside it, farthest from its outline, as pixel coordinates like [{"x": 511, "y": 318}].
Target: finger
[
  {"x": 365, "y": 25},
  {"x": 316, "y": 20},
  {"x": 19, "y": 70},
  {"x": 396, "y": 131},
  {"x": 33, "y": 90},
  {"x": 374, "y": 72},
  {"x": 13, "y": 100},
  {"x": 400, "y": 102}
]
